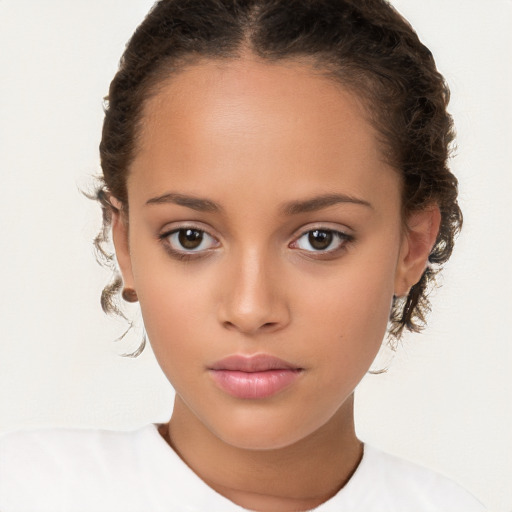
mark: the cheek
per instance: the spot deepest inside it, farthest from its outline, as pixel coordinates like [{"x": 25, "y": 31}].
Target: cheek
[
  {"x": 172, "y": 304},
  {"x": 174, "y": 310},
  {"x": 175, "y": 323},
  {"x": 359, "y": 293},
  {"x": 350, "y": 315},
  {"x": 368, "y": 302}
]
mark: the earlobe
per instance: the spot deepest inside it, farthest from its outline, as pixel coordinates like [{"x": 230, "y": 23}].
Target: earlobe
[
  {"x": 418, "y": 240},
  {"x": 121, "y": 244}
]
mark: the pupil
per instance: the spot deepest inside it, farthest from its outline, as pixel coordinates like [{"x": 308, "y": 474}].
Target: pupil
[
  {"x": 190, "y": 238},
  {"x": 320, "y": 239}
]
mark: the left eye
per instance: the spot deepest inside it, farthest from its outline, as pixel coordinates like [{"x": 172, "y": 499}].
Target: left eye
[
  {"x": 318, "y": 240},
  {"x": 190, "y": 240}
]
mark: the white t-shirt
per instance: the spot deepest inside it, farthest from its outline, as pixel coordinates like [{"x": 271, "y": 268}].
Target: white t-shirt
[{"x": 66, "y": 470}]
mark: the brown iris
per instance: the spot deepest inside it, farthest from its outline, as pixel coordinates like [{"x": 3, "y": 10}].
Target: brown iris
[
  {"x": 190, "y": 238},
  {"x": 319, "y": 239}
]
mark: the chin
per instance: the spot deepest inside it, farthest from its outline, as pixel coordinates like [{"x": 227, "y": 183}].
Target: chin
[
  {"x": 260, "y": 441},
  {"x": 253, "y": 431}
]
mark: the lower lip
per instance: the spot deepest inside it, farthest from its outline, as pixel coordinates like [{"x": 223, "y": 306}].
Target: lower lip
[{"x": 254, "y": 385}]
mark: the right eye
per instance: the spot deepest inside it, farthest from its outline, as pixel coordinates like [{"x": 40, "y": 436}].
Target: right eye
[
  {"x": 189, "y": 240},
  {"x": 326, "y": 241}
]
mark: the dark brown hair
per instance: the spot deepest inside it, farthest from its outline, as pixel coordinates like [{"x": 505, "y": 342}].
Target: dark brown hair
[{"x": 364, "y": 44}]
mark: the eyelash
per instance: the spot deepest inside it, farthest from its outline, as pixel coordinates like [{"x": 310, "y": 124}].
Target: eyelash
[{"x": 183, "y": 255}]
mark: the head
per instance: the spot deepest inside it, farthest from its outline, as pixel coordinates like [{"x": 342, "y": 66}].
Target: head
[{"x": 300, "y": 150}]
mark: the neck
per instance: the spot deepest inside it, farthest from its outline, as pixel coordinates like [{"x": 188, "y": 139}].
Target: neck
[{"x": 297, "y": 477}]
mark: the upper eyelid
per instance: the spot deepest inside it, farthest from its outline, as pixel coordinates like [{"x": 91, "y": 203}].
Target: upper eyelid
[
  {"x": 323, "y": 228},
  {"x": 168, "y": 230},
  {"x": 331, "y": 230},
  {"x": 326, "y": 226}
]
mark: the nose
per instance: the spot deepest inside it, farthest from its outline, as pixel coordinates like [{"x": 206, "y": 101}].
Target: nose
[{"x": 254, "y": 296}]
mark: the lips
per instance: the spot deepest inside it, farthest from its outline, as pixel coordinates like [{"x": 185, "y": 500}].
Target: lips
[{"x": 254, "y": 377}]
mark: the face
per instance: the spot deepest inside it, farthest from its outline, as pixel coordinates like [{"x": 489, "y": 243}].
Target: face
[{"x": 265, "y": 243}]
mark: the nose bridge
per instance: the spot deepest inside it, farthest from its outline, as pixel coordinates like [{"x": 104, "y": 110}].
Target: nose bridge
[{"x": 253, "y": 298}]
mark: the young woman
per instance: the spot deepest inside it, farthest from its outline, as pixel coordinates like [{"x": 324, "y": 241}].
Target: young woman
[{"x": 275, "y": 179}]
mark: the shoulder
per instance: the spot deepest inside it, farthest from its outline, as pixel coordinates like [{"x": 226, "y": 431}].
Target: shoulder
[
  {"x": 59, "y": 450},
  {"x": 63, "y": 438},
  {"x": 98, "y": 471},
  {"x": 385, "y": 483},
  {"x": 47, "y": 469}
]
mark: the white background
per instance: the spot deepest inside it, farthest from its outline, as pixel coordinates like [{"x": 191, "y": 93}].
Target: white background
[{"x": 446, "y": 400}]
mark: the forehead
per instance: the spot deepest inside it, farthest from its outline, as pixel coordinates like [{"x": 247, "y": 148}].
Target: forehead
[
  {"x": 284, "y": 123},
  {"x": 243, "y": 95}
]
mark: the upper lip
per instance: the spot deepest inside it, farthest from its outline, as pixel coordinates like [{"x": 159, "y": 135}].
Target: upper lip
[{"x": 255, "y": 363}]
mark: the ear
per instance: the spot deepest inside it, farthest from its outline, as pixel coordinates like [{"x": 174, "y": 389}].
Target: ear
[
  {"x": 121, "y": 243},
  {"x": 419, "y": 238}
]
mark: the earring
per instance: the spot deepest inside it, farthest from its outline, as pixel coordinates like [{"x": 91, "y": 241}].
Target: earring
[{"x": 129, "y": 295}]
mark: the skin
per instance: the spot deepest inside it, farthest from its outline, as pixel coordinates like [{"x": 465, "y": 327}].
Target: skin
[{"x": 253, "y": 137}]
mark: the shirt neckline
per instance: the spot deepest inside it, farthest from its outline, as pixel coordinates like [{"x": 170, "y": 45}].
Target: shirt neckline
[{"x": 171, "y": 465}]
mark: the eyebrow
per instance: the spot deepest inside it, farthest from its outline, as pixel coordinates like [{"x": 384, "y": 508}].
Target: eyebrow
[
  {"x": 290, "y": 208},
  {"x": 195, "y": 203},
  {"x": 320, "y": 202}
]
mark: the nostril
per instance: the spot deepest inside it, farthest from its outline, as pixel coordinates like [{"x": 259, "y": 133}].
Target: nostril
[{"x": 267, "y": 326}]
